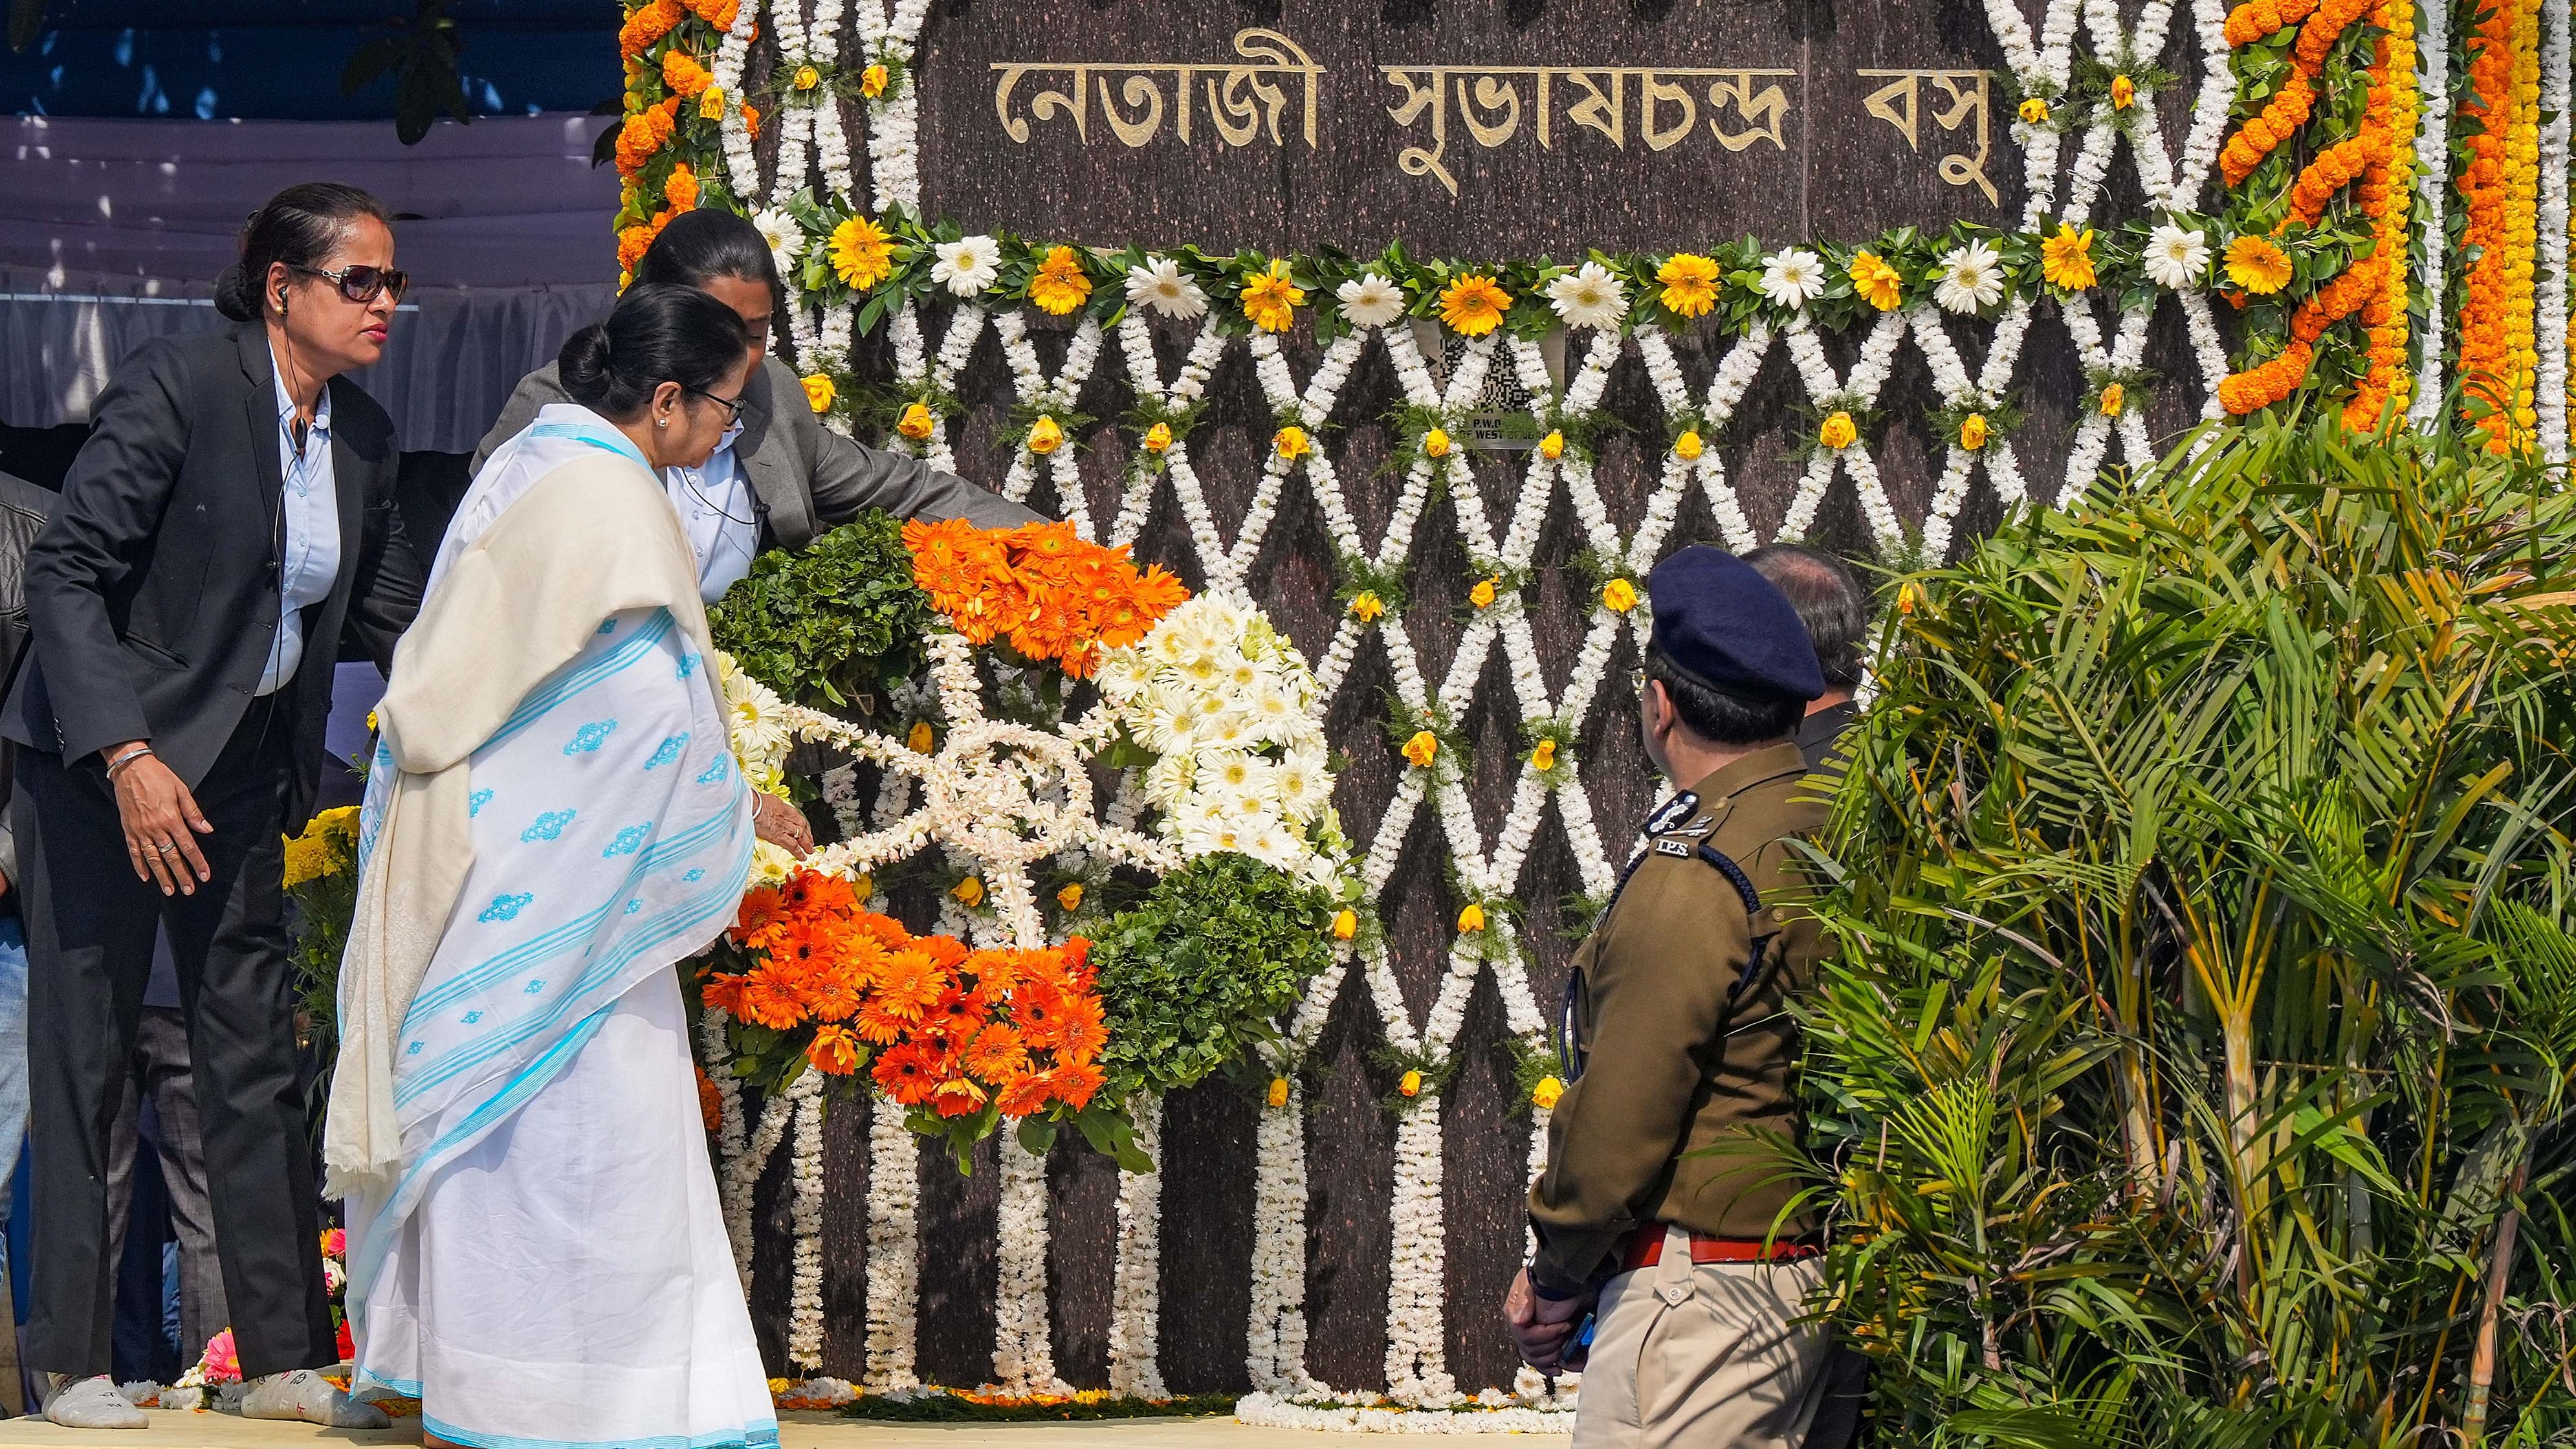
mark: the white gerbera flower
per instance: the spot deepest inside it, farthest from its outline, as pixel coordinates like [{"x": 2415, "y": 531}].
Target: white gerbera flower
[
  {"x": 1972, "y": 278},
  {"x": 786, "y": 239},
  {"x": 1162, "y": 286},
  {"x": 1300, "y": 790},
  {"x": 1588, "y": 296},
  {"x": 966, "y": 267},
  {"x": 2177, "y": 258},
  {"x": 1793, "y": 276},
  {"x": 1370, "y": 300}
]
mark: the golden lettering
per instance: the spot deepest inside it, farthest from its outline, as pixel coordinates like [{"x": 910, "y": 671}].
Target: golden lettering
[
  {"x": 1241, "y": 98},
  {"x": 1139, "y": 91},
  {"x": 1414, "y": 160},
  {"x": 1766, "y": 108},
  {"x": 1492, "y": 94},
  {"x": 1971, "y": 95},
  {"x": 1598, "y": 112},
  {"x": 1651, "y": 93},
  {"x": 1894, "y": 102}
]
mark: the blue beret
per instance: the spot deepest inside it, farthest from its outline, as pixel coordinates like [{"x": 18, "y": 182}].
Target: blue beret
[{"x": 1721, "y": 623}]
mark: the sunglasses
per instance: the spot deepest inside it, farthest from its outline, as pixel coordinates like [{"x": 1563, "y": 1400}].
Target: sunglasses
[
  {"x": 362, "y": 283},
  {"x": 731, "y": 405}
]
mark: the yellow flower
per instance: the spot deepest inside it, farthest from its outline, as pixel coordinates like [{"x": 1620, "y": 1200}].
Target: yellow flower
[
  {"x": 1547, "y": 1094},
  {"x": 1271, "y": 299},
  {"x": 372, "y": 725},
  {"x": 1876, "y": 281},
  {"x": 970, "y": 891},
  {"x": 2066, "y": 259},
  {"x": 819, "y": 392},
  {"x": 1838, "y": 431},
  {"x": 1290, "y": 442},
  {"x": 1474, "y": 306},
  {"x": 2124, "y": 93},
  {"x": 916, "y": 422},
  {"x": 1552, "y": 447},
  {"x": 1482, "y": 595},
  {"x": 1060, "y": 285},
  {"x": 1411, "y": 1086},
  {"x": 1419, "y": 750},
  {"x": 1278, "y": 1091},
  {"x": 1070, "y": 897},
  {"x": 779, "y": 1386},
  {"x": 1972, "y": 432},
  {"x": 920, "y": 739},
  {"x": 1346, "y": 924},
  {"x": 1435, "y": 444},
  {"x": 1542, "y": 757},
  {"x": 872, "y": 82},
  {"x": 711, "y": 104},
  {"x": 2114, "y": 398},
  {"x": 1690, "y": 284},
  {"x": 2258, "y": 265},
  {"x": 807, "y": 77},
  {"x": 1158, "y": 437},
  {"x": 1687, "y": 446},
  {"x": 1044, "y": 436},
  {"x": 1471, "y": 918},
  {"x": 2035, "y": 111},
  {"x": 1367, "y": 607},
  {"x": 861, "y": 253},
  {"x": 1618, "y": 596},
  {"x": 1907, "y": 595}
]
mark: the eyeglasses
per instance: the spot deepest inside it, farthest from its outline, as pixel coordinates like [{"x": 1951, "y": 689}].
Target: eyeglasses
[
  {"x": 731, "y": 405},
  {"x": 361, "y": 283}
]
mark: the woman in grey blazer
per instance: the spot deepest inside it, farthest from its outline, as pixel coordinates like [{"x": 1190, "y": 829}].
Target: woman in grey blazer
[{"x": 781, "y": 478}]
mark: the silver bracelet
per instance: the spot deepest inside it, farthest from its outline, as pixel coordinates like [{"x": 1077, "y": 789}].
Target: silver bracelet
[{"x": 128, "y": 758}]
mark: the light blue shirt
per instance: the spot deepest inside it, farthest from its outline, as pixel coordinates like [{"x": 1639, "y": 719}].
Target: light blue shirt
[
  {"x": 720, "y": 516},
  {"x": 312, "y": 505}
]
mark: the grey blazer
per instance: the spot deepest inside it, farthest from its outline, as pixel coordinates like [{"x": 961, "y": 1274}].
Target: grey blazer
[{"x": 806, "y": 478}]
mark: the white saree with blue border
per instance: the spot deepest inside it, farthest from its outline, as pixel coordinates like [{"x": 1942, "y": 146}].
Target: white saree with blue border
[{"x": 544, "y": 1262}]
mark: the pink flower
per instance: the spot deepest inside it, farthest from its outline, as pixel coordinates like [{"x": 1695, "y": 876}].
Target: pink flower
[
  {"x": 222, "y": 1363},
  {"x": 335, "y": 1243}
]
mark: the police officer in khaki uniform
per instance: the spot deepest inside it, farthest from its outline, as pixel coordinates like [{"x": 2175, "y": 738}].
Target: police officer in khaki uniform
[{"x": 1663, "y": 1219}]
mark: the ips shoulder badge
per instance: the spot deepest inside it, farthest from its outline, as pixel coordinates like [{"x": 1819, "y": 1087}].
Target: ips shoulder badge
[{"x": 1673, "y": 812}]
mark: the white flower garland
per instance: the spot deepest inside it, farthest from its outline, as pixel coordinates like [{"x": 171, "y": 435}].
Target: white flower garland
[
  {"x": 2549, "y": 274},
  {"x": 1023, "y": 1348},
  {"x": 2432, "y": 193},
  {"x": 805, "y": 1286},
  {"x": 1136, "y": 1293}
]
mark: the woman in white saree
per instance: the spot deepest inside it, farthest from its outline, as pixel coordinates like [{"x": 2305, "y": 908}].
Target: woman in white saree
[{"x": 553, "y": 819}]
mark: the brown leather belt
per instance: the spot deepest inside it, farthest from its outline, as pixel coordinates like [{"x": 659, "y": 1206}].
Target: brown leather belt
[{"x": 1646, "y": 1249}]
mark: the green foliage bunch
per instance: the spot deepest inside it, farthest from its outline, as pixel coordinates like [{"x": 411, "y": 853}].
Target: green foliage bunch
[
  {"x": 836, "y": 623},
  {"x": 1194, "y": 974},
  {"x": 2194, "y": 1063}
]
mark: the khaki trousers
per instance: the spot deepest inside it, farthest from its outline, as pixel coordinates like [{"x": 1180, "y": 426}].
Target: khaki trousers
[{"x": 1703, "y": 1356}]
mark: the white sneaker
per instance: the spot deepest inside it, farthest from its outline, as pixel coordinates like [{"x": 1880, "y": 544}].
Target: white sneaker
[
  {"x": 91, "y": 1403},
  {"x": 306, "y": 1396}
]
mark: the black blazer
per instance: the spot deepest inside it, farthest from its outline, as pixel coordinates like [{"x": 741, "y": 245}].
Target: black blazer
[{"x": 152, "y": 597}]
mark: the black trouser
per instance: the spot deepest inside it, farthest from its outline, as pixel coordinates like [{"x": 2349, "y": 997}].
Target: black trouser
[
  {"x": 90, "y": 926},
  {"x": 162, "y": 1073}
]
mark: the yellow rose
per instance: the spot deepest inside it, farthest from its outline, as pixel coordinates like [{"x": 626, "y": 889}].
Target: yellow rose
[
  {"x": 1543, "y": 756},
  {"x": 1436, "y": 443},
  {"x": 1420, "y": 749},
  {"x": 872, "y": 82},
  {"x": 1547, "y": 1094},
  {"x": 1278, "y": 1091},
  {"x": 1411, "y": 1086},
  {"x": 916, "y": 422},
  {"x": 807, "y": 77},
  {"x": 1552, "y": 447},
  {"x": 1045, "y": 437},
  {"x": 372, "y": 726},
  {"x": 1471, "y": 918},
  {"x": 2035, "y": 111},
  {"x": 1158, "y": 437},
  {"x": 969, "y": 891},
  {"x": 1346, "y": 924},
  {"x": 1290, "y": 442},
  {"x": 920, "y": 738},
  {"x": 1687, "y": 446},
  {"x": 1367, "y": 607},
  {"x": 711, "y": 104},
  {"x": 819, "y": 391},
  {"x": 1482, "y": 595},
  {"x": 1838, "y": 431},
  {"x": 2114, "y": 398},
  {"x": 1906, "y": 597},
  {"x": 1972, "y": 432},
  {"x": 1070, "y": 897},
  {"x": 1618, "y": 596},
  {"x": 2124, "y": 93}
]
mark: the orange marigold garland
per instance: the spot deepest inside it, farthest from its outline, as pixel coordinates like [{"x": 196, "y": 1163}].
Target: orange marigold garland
[
  {"x": 2387, "y": 199},
  {"x": 2499, "y": 190},
  {"x": 1048, "y": 592},
  {"x": 964, "y": 1038},
  {"x": 669, "y": 149}
]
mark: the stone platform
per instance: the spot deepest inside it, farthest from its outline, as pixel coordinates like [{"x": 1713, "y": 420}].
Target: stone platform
[{"x": 795, "y": 1431}]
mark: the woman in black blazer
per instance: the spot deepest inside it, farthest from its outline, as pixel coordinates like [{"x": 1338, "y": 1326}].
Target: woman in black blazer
[{"x": 226, "y": 532}]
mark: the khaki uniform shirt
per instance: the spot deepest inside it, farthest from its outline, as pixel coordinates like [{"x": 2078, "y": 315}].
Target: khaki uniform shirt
[{"x": 1672, "y": 1068}]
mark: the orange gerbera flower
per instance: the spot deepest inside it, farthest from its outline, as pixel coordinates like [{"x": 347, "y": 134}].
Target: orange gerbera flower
[
  {"x": 947, "y": 953},
  {"x": 1074, "y": 1083},
  {"x": 878, "y": 1026},
  {"x": 1041, "y": 1010},
  {"x": 833, "y": 994},
  {"x": 724, "y": 993},
  {"x": 957, "y": 1015},
  {"x": 770, "y": 1001},
  {"x": 763, "y": 912},
  {"x": 1026, "y": 1096},
  {"x": 1083, "y": 1029},
  {"x": 834, "y": 1052},
  {"x": 957, "y": 1097},
  {"x": 911, "y": 1072},
  {"x": 997, "y": 1054},
  {"x": 909, "y": 984}
]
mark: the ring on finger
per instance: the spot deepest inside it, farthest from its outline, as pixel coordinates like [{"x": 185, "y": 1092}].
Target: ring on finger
[{"x": 165, "y": 847}]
